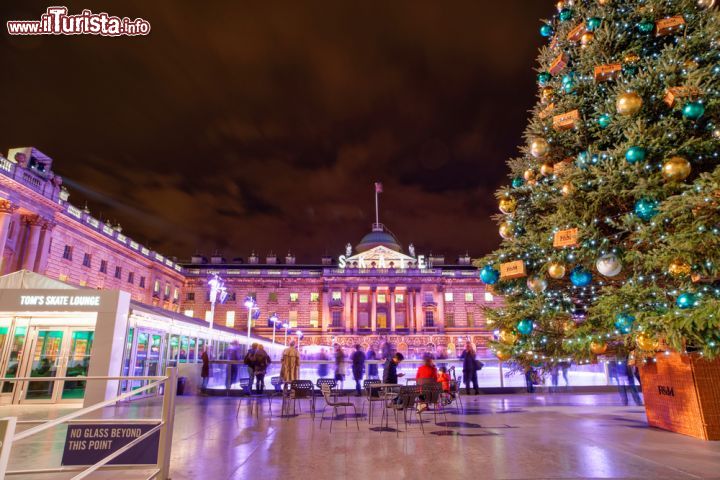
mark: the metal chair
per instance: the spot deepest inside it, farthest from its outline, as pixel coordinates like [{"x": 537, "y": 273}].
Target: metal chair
[
  {"x": 404, "y": 402},
  {"x": 276, "y": 383},
  {"x": 430, "y": 393},
  {"x": 331, "y": 382},
  {"x": 302, "y": 390},
  {"x": 327, "y": 395},
  {"x": 455, "y": 395},
  {"x": 371, "y": 398}
]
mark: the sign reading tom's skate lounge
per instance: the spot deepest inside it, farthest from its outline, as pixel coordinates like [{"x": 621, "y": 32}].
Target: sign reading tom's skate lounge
[{"x": 88, "y": 443}]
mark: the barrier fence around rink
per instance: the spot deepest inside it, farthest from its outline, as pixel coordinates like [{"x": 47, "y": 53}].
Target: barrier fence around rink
[
  {"x": 164, "y": 425},
  {"x": 233, "y": 374}
]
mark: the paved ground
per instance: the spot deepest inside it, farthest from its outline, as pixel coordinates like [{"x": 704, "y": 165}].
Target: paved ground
[{"x": 562, "y": 436}]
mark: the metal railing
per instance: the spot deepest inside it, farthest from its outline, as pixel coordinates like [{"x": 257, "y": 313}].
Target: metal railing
[{"x": 160, "y": 470}]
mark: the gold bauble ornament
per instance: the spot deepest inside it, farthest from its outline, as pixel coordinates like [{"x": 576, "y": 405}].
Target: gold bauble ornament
[
  {"x": 506, "y": 230},
  {"x": 706, "y": 3},
  {"x": 567, "y": 189},
  {"x": 546, "y": 94},
  {"x": 586, "y": 38},
  {"x": 690, "y": 65},
  {"x": 679, "y": 268},
  {"x": 598, "y": 348},
  {"x": 560, "y": 5},
  {"x": 569, "y": 327},
  {"x": 529, "y": 175},
  {"x": 539, "y": 147},
  {"x": 716, "y": 133},
  {"x": 676, "y": 169},
  {"x": 503, "y": 355},
  {"x": 508, "y": 337},
  {"x": 628, "y": 103},
  {"x": 508, "y": 205},
  {"x": 646, "y": 343},
  {"x": 603, "y": 2},
  {"x": 546, "y": 169},
  {"x": 631, "y": 57},
  {"x": 556, "y": 270}
]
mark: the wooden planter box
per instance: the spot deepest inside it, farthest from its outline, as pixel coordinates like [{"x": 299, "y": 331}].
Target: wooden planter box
[{"x": 682, "y": 394}]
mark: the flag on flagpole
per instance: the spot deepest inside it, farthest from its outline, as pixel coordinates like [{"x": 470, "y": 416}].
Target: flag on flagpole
[{"x": 378, "y": 187}]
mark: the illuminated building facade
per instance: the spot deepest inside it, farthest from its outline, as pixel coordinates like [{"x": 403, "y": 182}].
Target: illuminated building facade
[{"x": 372, "y": 293}]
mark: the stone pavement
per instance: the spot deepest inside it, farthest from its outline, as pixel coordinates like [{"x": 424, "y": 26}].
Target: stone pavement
[{"x": 561, "y": 436}]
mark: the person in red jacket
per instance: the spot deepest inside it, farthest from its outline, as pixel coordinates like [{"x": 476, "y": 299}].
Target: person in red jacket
[{"x": 427, "y": 372}]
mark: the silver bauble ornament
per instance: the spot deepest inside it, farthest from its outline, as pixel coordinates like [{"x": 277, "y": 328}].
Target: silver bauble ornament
[
  {"x": 609, "y": 265},
  {"x": 536, "y": 283}
]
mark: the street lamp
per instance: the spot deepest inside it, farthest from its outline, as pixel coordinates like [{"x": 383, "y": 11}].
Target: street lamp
[
  {"x": 286, "y": 326},
  {"x": 217, "y": 292},
  {"x": 274, "y": 320},
  {"x": 251, "y": 305}
]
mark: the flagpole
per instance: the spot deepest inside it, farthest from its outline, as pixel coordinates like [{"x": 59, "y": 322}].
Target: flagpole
[{"x": 377, "y": 216}]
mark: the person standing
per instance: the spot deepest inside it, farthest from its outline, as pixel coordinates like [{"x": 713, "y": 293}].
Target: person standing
[
  {"x": 290, "y": 364},
  {"x": 358, "y": 367},
  {"x": 470, "y": 368},
  {"x": 372, "y": 367},
  {"x": 530, "y": 378},
  {"x": 248, "y": 361},
  {"x": 260, "y": 361},
  {"x": 323, "y": 366},
  {"x": 205, "y": 370},
  {"x": 231, "y": 354},
  {"x": 339, "y": 365}
]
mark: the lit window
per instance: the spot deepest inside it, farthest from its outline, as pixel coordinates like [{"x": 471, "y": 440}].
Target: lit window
[
  {"x": 336, "y": 295},
  {"x": 381, "y": 298},
  {"x": 83, "y": 283},
  {"x": 189, "y": 313},
  {"x": 448, "y": 296},
  {"x": 294, "y": 297},
  {"x": 468, "y": 297},
  {"x": 176, "y": 293},
  {"x": 292, "y": 318},
  {"x": 230, "y": 318},
  {"x": 470, "y": 319},
  {"x": 314, "y": 316},
  {"x": 156, "y": 286},
  {"x": 167, "y": 289},
  {"x": 63, "y": 277},
  {"x": 399, "y": 298},
  {"x": 208, "y": 315},
  {"x": 489, "y": 297},
  {"x": 272, "y": 297},
  {"x": 363, "y": 298},
  {"x": 449, "y": 319},
  {"x": 314, "y": 296}
]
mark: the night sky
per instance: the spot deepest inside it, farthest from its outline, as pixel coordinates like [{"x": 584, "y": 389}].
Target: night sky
[{"x": 242, "y": 126}]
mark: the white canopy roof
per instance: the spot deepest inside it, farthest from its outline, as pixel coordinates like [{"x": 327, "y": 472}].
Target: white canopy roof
[{"x": 28, "y": 279}]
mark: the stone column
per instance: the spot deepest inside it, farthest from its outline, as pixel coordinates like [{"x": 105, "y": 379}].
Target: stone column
[
  {"x": 347, "y": 309},
  {"x": 44, "y": 249},
  {"x": 31, "y": 248},
  {"x": 419, "y": 317},
  {"x": 440, "y": 299},
  {"x": 409, "y": 310},
  {"x": 325, "y": 313},
  {"x": 7, "y": 208},
  {"x": 356, "y": 294},
  {"x": 392, "y": 309},
  {"x": 373, "y": 311}
]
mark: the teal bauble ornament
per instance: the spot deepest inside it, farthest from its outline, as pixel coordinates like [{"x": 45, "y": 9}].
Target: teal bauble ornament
[
  {"x": 518, "y": 182},
  {"x": 568, "y": 78},
  {"x": 546, "y": 30},
  {"x": 583, "y": 158},
  {"x": 565, "y": 14},
  {"x": 646, "y": 27},
  {"x": 693, "y": 110},
  {"x": 646, "y": 208},
  {"x": 686, "y": 300},
  {"x": 629, "y": 70},
  {"x": 624, "y": 322},
  {"x": 593, "y": 23},
  {"x": 489, "y": 275},
  {"x": 635, "y": 154},
  {"x": 543, "y": 78},
  {"x": 604, "y": 121},
  {"x": 525, "y": 326},
  {"x": 580, "y": 276}
]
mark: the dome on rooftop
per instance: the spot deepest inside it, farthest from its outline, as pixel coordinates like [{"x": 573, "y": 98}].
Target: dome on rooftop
[{"x": 379, "y": 236}]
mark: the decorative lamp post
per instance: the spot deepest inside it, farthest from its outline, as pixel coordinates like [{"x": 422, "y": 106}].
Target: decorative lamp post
[
  {"x": 286, "y": 326},
  {"x": 251, "y": 305},
  {"x": 274, "y": 320},
  {"x": 218, "y": 292}
]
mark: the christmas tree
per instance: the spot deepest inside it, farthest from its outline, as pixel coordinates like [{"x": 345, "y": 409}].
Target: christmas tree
[{"x": 610, "y": 224}]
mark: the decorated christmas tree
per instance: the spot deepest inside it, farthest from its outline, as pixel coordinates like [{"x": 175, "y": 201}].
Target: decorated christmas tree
[{"x": 611, "y": 221}]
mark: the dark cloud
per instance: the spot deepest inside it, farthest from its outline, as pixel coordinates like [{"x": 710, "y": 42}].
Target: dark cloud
[{"x": 262, "y": 125}]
